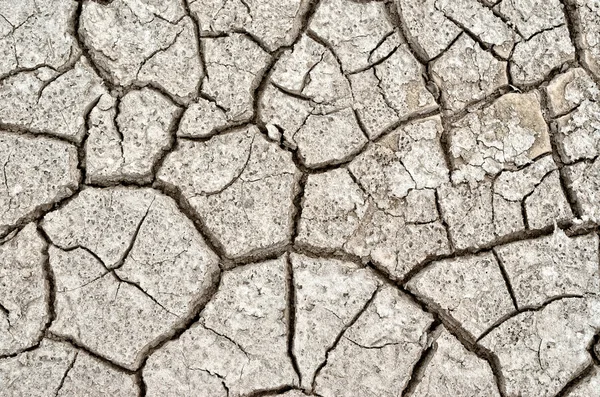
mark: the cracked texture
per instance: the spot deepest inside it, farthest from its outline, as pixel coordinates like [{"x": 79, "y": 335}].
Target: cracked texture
[
  {"x": 324, "y": 198},
  {"x": 241, "y": 185},
  {"x": 454, "y": 371},
  {"x": 374, "y": 356},
  {"x": 37, "y": 172},
  {"x": 58, "y": 369},
  {"x": 24, "y": 306},
  {"x": 238, "y": 344},
  {"x": 126, "y": 138}
]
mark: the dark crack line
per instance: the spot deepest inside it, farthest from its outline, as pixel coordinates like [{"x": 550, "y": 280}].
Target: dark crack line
[
  {"x": 506, "y": 279},
  {"x": 127, "y": 251},
  {"x": 575, "y": 381},
  {"x": 240, "y": 347},
  {"x": 524, "y": 213},
  {"x": 143, "y": 291},
  {"x": 466, "y": 340},
  {"x": 525, "y": 309},
  {"x": 81, "y": 149},
  {"x": 6, "y": 312},
  {"x": 64, "y": 377},
  {"x": 568, "y": 193},
  {"x": 418, "y": 370},
  {"x": 339, "y": 337},
  {"x": 80, "y": 347},
  {"x": 291, "y": 317}
]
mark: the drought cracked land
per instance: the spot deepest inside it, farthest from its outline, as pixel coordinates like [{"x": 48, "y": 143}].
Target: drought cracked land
[{"x": 328, "y": 198}]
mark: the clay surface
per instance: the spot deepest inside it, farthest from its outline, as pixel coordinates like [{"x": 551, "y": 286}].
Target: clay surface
[{"x": 323, "y": 198}]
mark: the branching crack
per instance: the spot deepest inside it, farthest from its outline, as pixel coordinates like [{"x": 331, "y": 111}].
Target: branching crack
[{"x": 341, "y": 334}]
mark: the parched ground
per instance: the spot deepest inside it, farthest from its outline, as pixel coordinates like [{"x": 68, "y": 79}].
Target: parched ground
[{"x": 330, "y": 198}]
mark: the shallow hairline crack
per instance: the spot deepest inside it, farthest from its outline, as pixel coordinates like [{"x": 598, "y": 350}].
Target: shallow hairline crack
[
  {"x": 526, "y": 309},
  {"x": 332, "y": 347}
]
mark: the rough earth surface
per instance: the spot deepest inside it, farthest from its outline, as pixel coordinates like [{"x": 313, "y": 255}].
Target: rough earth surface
[{"x": 327, "y": 198}]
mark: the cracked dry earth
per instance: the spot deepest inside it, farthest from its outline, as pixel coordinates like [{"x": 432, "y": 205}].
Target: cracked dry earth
[{"x": 229, "y": 198}]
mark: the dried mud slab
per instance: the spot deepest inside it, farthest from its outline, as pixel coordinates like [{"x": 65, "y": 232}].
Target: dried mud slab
[
  {"x": 234, "y": 66},
  {"x": 471, "y": 291},
  {"x": 383, "y": 206},
  {"x": 140, "y": 265},
  {"x": 50, "y": 102},
  {"x": 241, "y": 186},
  {"x": 24, "y": 290},
  {"x": 550, "y": 267},
  {"x": 455, "y": 371},
  {"x": 127, "y": 137},
  {"x": 328, "y": 198},
  {"x": 588, "y": 38},
  {"x": 36, "y": 173},
  {"x": 573, "y": 99},
  {"x": 589, "y": 386},
  {"x": 36, "y": 34},
  {"x": 376, "y": 354},
  {"x": 529, "y": 198},
  {"x": 144, "y": 42},
  {"x": 57, "y": 369},
  {"x": 509, "y": 133},
  {"x": 540, "y": 351},
  {"x": 467, "y": 73},
  {"x": 329, "y": 296},
  {"x": 270, "y": 22},
  {"x": 239, "y": 344}
]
